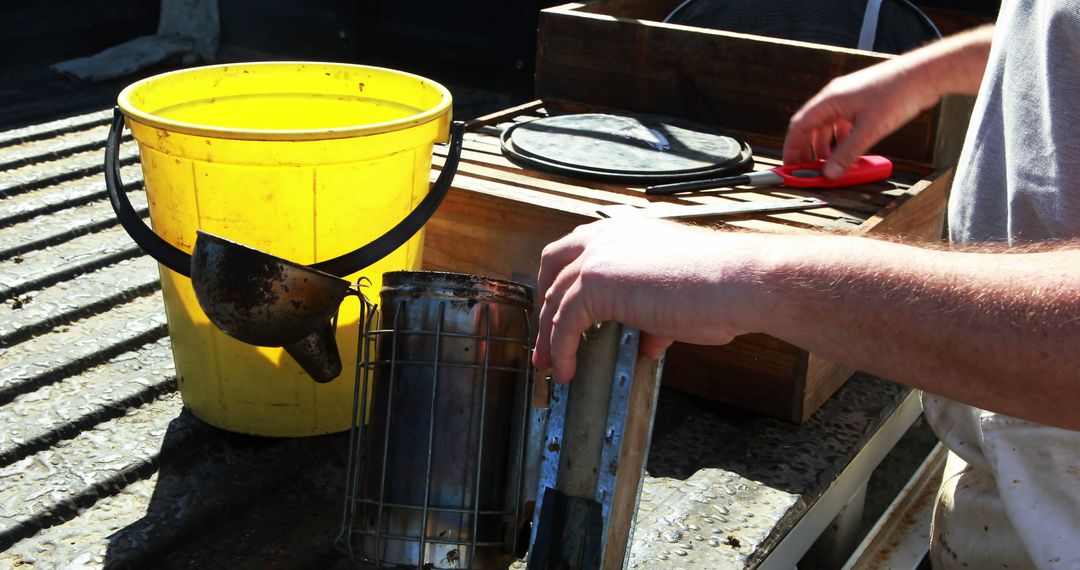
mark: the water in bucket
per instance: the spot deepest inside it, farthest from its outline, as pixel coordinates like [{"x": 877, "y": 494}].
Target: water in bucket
[{"x": 303, "y": 161}]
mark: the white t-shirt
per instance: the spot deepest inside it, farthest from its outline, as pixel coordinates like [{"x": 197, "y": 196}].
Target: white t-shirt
[{"x": 1018, "y": 181}]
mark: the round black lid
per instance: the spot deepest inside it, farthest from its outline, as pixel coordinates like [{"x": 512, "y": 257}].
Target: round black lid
[{"x": 626, "y": 147}]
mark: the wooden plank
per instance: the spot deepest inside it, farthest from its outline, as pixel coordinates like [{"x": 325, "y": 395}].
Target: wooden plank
[
  {"x": 823, "y": 378},
  {"x": 603, "y": 194},
  {"x": 601, "y": 54},
  {"x": 948, "y": 20},
  {"x": 655, "y": 10},
  {"x": 502, "y": 115},
  {"x": 488, "y": 234},
  {"x": 636, "y": 438},
  {"x": 754, "y": 372},
  {"x": 529, "y": 194},
  {"x": 954, "y": 114},
  {"x": 919, "y": 213},
  {"x": 867, "y": 199}
]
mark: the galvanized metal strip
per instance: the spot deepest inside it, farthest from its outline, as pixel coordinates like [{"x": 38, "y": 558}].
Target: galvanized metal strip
[
  {"x": 900, "y": 539},
  {"x": 221, "y": 499},
  {"x": 552, "y": 445},
  {"x": 102, "y": 305},
  {"x": 622, "y": 381}
]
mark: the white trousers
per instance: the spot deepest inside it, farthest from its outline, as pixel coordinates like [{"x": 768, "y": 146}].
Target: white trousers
[{"x": 970, "y": 528}]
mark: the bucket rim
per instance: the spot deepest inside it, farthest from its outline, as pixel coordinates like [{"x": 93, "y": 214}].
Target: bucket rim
[{"x": 133, "y": 113}]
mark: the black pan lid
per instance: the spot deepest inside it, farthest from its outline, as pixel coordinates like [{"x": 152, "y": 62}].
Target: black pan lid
[{"x": 626, "y": 147}]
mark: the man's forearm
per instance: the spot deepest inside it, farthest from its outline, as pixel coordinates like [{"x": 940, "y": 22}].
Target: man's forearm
[
  {"x": 1000, "y": 331},
  {"x": 953, "y": 65},
  {"x": 996, "y": 330}
]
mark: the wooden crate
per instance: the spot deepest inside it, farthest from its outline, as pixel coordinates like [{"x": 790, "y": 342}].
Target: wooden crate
[
  {"x": 617, "y": 54},
  {"x": 498, "y": 217}
]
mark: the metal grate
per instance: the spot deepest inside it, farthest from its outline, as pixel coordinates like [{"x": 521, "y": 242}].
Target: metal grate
[{"x": 445, "y": 491}]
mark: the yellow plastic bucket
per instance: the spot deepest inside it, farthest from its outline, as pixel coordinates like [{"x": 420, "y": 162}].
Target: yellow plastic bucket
[{"x": 303, "y": 161}]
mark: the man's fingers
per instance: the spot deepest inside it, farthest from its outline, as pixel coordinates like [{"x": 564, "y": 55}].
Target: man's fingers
[
  {"x": 858, "y": 141},
  {"x": 555, "y": 258},
  {"x": 795, "y": 145},
  {"x": 568, "y": 323},
  {"x": 822, "y": 143},
  {"x": 817, "y": 115},
  {"x": 560, "y": 253},
  {"x": 558, "y": 259},
  {"x": 553, "y": 300},
  {"x": 541, "y": 357},
  {"x": 804, "y": 152},
  {"x": 799, "y": 143},
  {"x": 841, "y": 131}
]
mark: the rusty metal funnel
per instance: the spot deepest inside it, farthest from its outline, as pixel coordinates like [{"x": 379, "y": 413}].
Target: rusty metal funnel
[
  {"x": 317, "y": 353},
  {"x": 264, "y": 300}
]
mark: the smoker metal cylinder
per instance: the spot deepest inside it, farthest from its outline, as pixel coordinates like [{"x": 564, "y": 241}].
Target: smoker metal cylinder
[{"x": 436, "y": 475}]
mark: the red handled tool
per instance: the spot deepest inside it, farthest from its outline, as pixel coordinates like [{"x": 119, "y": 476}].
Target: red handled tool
[{"x": 869, "y": 168}]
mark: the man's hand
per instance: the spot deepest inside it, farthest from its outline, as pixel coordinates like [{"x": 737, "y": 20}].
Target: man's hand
[
  {"x": 856, "y": 111},
  {"x": 664, "y": 278}
]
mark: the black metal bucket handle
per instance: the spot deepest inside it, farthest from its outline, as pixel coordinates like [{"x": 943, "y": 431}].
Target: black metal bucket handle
[{"x": 180, "y": 261}]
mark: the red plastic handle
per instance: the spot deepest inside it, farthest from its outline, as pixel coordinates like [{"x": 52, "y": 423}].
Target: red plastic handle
[{"x": 869, "y": 168}]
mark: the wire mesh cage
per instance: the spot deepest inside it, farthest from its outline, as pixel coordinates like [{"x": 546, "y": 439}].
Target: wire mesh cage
[{"x": 437, "y": 451}]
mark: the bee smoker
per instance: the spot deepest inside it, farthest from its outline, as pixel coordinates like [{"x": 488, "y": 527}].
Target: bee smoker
[{"x": 437, "y": 452}]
